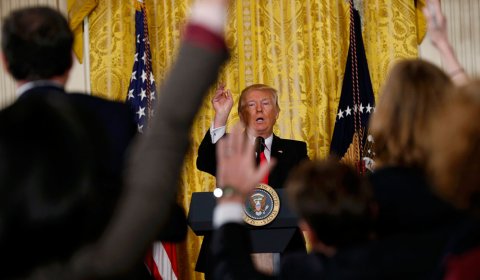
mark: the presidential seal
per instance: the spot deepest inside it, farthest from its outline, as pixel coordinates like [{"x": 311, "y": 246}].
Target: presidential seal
[{"x": 262, "y": 206}]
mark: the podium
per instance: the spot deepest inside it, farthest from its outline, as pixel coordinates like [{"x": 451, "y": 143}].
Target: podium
[{"x": 271, "y": 238}]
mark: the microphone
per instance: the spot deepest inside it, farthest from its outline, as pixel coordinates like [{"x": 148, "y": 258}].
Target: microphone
[{"x": 259, "y": 148}]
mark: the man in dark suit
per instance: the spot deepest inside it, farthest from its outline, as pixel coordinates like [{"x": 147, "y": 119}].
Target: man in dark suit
[
  {"x": 37, "y": 52},
  {"x": 332, "y": 202},
  {"x": 258, "y": 110},
  {"x": 50, "y": 175}
]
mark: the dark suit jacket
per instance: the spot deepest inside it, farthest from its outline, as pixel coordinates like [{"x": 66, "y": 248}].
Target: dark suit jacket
[
  {"x": 112, "y": 125},
  {"x": 288, "y": 153},
  {"x": 90, "y": 136},
  {"x": 406, "y": 202},
  {"x": 114, "y": 119}
]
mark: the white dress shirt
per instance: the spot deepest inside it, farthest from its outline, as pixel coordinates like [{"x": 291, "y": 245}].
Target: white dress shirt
[
  {"x": 38, "y": 83},
  {"x": 217, "y": 133}
]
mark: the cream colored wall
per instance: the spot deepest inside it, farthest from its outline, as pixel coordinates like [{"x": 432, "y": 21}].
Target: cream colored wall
[
  {"x": 463, "y": 18},
  {"x": 78, "y": 76}
]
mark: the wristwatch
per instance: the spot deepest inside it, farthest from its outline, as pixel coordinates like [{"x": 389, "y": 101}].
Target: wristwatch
[{"x": 226, "y": 191}]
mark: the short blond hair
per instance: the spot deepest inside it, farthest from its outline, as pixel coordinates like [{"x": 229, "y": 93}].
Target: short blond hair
[{"x": 260, "y": 87}]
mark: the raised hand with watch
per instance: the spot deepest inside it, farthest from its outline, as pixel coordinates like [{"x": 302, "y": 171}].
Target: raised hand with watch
[{"x": 237, "y": 172}]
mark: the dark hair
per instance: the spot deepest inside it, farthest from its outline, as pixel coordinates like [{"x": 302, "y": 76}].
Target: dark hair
[
  {"x": 333, "y": 199},
  {"x": 49, "y": 184},
  {"x": 37, "y": 43}
]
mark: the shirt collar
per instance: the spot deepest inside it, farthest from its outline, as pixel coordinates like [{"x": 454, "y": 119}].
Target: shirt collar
[
  {"x": 33, "y": 84},
  {"x": 268, "y": 141}
]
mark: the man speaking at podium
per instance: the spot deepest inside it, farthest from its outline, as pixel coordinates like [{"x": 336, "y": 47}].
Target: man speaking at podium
[{"x": 258, "y": 110}]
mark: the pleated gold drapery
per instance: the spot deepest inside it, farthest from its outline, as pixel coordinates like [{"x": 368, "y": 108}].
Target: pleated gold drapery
[
  {"x": 77, "y": 11},
  {"x": 297, "y": 46}
]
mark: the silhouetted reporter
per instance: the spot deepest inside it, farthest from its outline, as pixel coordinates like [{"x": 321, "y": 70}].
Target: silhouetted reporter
[
  {"x": 55, "y": 193},
  {"x": 74, "y": 165}
]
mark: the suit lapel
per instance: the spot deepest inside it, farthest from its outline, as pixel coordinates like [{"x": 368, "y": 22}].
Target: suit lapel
[
  {"x": 277, "y": 152},
  {"x": 277, "y": 148}
]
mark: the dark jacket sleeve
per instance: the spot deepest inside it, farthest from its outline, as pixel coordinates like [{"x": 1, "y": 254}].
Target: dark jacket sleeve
[
  {"x": 155, "y": 163},
  {"x": 176, "y": 228},
  {"x": 207, "y": 157},
  {"x": 302, "y": 151}
]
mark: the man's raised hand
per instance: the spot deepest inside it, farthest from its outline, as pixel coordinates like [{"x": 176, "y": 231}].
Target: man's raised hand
[{"x": 222, "y": 103}]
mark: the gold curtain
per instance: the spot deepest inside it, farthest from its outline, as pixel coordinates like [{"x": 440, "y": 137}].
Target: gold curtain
[
  {"x": 298, "y": 46},
  {"x": 112, "y": 42},
  {"x": 77, "y": 11}
]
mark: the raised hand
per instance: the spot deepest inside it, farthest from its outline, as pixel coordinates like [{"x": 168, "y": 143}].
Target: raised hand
[
  {"x": 222, "y": 104},
  {"x": 236, "y": 167},
  {"x": 436, "y": 23},
  {"x": 437, "y": 31}
]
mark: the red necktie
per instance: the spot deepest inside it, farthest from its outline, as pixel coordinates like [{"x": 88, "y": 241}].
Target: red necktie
[{"x": 262, "y": 160}]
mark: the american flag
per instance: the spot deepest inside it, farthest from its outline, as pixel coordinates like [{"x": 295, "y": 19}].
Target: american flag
[
  {"x": 141, "y": 92},
  {"x": 351, "y": 142},
  {"x": 161, "y": 259}
]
